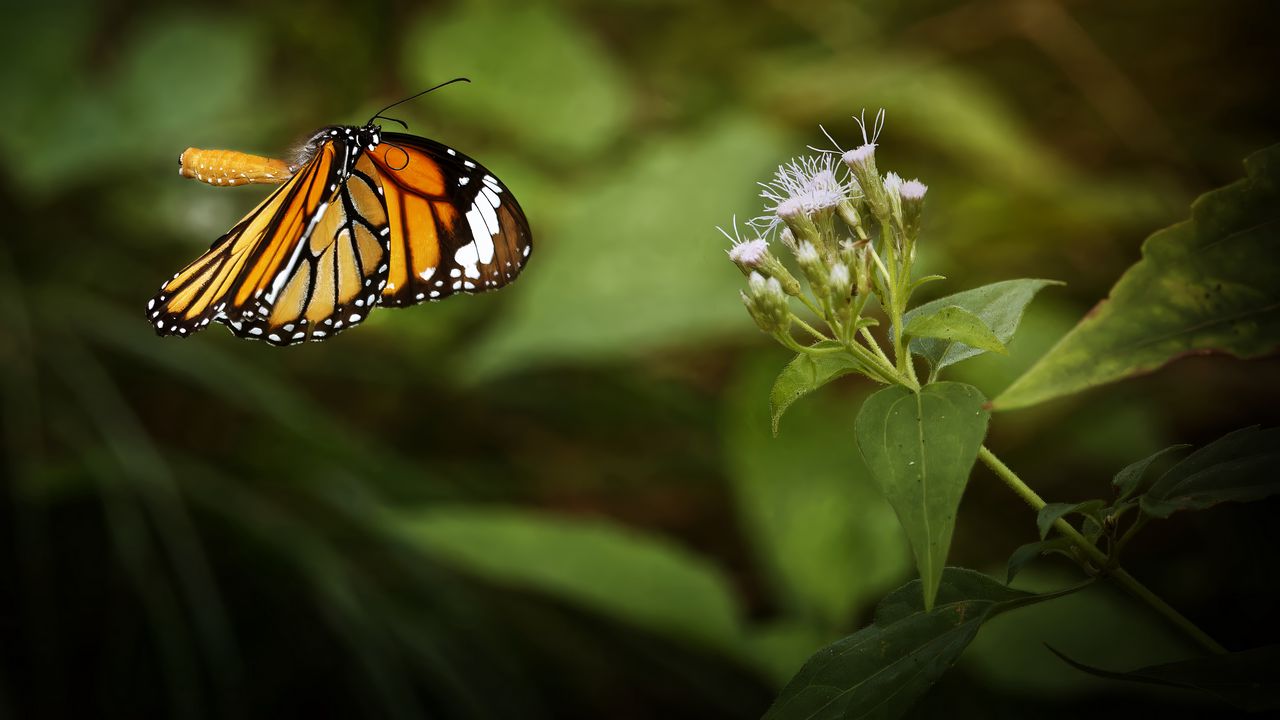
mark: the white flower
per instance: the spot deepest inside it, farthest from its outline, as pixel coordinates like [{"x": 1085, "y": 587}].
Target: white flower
[
  {"x": 749, "y": 253},
  {"x": 756, "y": 284},
  {"x": 913, "y": 190},
  {"x": 840, "y": 277},
  {"x": 807, "y": 254},
  {"x": 860, "y": 154},
  {"x": 892, "y": 183},
  {"x": 805, "y": 185}
]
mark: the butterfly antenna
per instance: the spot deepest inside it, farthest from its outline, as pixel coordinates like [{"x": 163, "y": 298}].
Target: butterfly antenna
[{"x": 411, "y": 97}]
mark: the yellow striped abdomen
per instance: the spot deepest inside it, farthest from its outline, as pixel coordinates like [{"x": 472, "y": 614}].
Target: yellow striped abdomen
[{"x": 229, "y": 167}]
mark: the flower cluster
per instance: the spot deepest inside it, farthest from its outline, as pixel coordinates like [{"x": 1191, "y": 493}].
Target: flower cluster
[{"x": 852, "y": 235}]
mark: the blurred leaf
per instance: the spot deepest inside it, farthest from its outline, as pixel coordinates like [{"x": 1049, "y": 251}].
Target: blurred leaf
[
  {"x": 804, "y": 374},
  {"x": 956, "y": 325},
  {"x": 781, "y": 648},
  {"x": 983, "y": 130},
  {"x": 1249, "y": 680},
  {"x": 997, "y": 306},
  {"x": 539, "y": 76},
  {"x": 1024, "y": 554},
  {"x": 182, "y": 74},
  {"x": 880, "y": 671},
  {"x": 1050, "y": 513},
  {"x": 1238, "y": 467},
  {"x": 830, "y": 544},
  {"x": 1209, "y": 284},
  {"x": 636, "y": 264},
  {"x": 601, "y": 566},
  {"x": 920, "y": 447},
  {"x": 1128, "y": 480}
]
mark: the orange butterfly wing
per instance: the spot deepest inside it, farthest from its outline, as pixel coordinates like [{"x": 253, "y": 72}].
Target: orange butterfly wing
[
  {"x": 341, "y": 267},
  {"x": 454, "y": 226},
  {"x": 234, "y": 278}
]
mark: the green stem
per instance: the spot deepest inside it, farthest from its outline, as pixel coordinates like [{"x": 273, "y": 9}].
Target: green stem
[
  {"x": 1126, "y": 581},
  {"x": 811, "y": 330},
  {"x": 875, "y": 346}
]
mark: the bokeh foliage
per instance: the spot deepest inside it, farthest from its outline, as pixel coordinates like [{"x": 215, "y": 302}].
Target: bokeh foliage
[{"x": 563, "y": 500}]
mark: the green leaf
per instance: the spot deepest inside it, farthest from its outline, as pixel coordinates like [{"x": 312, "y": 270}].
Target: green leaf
[
  {"x": 920, "y": 447},
  {"x": 956, "y": 325},
  {"x": 880, "y": 671},
  {"x": 957, "y": 585},
  {"x": 1024, "y": 554},
  {"x": 618, "y": 281},
  {"x": 804, "y": 374},
  {"x": 1050, "y": 513},
  {"x": 806, "y": 504},
  {"x": 1128, "y": 480},
  {"x": 1209, "y": 284},
  {"x": 997, "y": 306},
  {"x": 1239, "y": 467},
  {"x": 1248, "y": 680},
  {"x": 637, "y": 578}
]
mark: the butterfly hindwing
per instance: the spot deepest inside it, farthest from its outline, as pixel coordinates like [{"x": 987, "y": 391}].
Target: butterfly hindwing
[{"x": 454, "y": 226}]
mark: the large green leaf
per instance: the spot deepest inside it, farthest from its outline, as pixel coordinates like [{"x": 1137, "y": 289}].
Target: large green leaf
[
  {"x": 1249, "y": 680},
  {"x": 954, "y": 324},
  {"x": 829, "y": 544},
  {"x": 1209, "y": 284},
  {"x": 1240, "y": 466},
  {"x": 804, "y": 374},
  {"x": 920, "y": 447},
  {"x": 880, "y": 671},
  {"x": 997, "y": 306},
  {"x": 637, "y": 578},
  {"x": 1129, "y": 479},
  {"x": 633, "y": 263}
]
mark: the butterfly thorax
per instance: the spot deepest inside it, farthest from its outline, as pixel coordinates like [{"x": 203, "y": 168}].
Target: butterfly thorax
[{"x": 353, "y": 139}]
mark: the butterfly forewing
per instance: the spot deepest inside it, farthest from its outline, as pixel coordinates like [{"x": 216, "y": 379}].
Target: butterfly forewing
[
  {"x": 341, "y": 269},
  {"x": 233, "y": 279},
  {"x": 454, "y": 226}
]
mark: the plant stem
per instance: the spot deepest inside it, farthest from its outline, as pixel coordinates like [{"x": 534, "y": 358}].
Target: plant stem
[
  {"x": 816, "y": 333},
  {"x": 875, "y": 346},
  {"x": 1126, "y": 581}
]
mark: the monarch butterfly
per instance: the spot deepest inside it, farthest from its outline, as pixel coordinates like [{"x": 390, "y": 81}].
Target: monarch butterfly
[{"x": 362, "y": 218}]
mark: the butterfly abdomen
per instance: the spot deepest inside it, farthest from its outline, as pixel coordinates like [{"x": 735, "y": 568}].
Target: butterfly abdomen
[{"x": 228, "y": 167}]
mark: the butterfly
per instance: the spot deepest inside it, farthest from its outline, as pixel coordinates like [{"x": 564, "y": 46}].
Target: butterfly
[{"x": 360, "y": 219}]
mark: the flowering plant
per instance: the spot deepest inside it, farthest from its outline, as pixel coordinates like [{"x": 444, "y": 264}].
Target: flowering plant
[{"x": 852, "y": 233}]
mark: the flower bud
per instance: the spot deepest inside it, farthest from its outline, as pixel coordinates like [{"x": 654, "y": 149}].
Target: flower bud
[
  {"x": 862, "y": 269},
  {"x": 802, "y": 227},
  {"x": 788, "y": 239},
  {"x": 767, "y": 303},
  {"x": 815, "y": 271},
  {"x": 862, "y": 163},
  {"x": 840, "y": 284},
  {"x": 748, "y": 255},
  {"x": 849, "y": 213},
  {"x": 912, "y": 194},
  {"x": 754, "y": 255}
]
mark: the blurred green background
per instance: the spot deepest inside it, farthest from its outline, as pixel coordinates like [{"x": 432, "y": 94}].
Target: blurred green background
[{"x": 562, "y": 500}]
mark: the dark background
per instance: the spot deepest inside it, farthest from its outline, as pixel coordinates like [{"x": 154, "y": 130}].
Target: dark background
[{"x": 561, "y": 500}]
